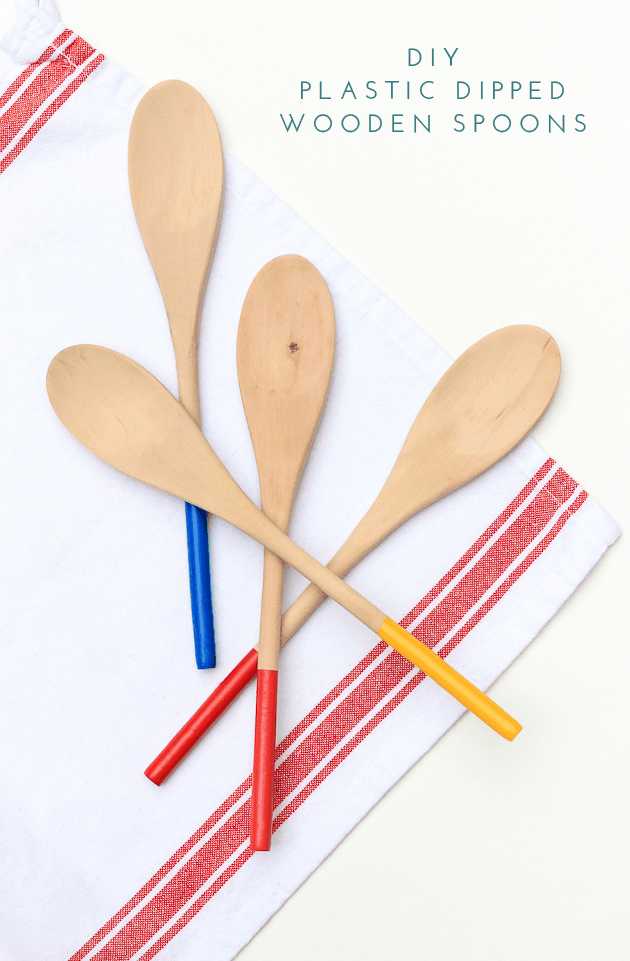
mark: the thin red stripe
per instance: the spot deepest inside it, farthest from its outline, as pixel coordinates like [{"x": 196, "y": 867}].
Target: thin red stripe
[
  {"x": 493, "y": 564},
  {"x": 338, "y": 724},
  {"x": 514, "y": 576},
  {"x": 386, "y": 675},
  {"x": 181, "y": 888},
  {"x": 47, "y": 54},
  {"x": 332, "y": 696},
  {"x": 347, "y": 748},
  {"x": 164, "y": 870},
  {"x": 196, "y": 907},
  {"x": 49, "y": 111}
]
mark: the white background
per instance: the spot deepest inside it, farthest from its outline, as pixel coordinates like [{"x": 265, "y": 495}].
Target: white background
[{"x": 466, "y": 233}]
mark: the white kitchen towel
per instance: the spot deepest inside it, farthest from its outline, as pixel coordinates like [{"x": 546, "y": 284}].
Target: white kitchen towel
[{"x": 97, "y": 655}]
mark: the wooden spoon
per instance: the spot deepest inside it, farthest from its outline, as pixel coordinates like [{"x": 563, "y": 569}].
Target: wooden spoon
[
  {"x": 120, "y": 412},
  {"x": 284, "y": 354},
  {"x": 176, "y": 180},
  {"x": 500, "y": 387}
]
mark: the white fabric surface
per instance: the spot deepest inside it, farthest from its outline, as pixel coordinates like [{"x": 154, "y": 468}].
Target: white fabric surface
[{"x": 97, "y": 656}]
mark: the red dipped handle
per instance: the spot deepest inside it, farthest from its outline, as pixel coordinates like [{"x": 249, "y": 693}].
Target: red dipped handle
[
  {"x": 264, "y": 760},
  {"x": 203, "y": 719}
]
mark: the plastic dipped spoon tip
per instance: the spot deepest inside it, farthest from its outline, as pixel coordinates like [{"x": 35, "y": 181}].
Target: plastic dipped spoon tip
[
  {"x": 120, "y": 412},
  {"x": 523, "y": 364},
  {"x": 176, "y": 181},
  {"x": 284, "y": 355}
]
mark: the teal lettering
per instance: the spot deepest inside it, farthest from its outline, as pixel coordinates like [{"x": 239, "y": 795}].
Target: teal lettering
[
  {"x": 304, "y": 88},
  {"x": 497, "y": 87},
  {"x": 533, "y": 90},
  {"x": 450, "y": 55},
  {"x": 556, "y": 83},
  {"x": 291, "y": 124},
  {"x": 318, "y": 117},
  {"x": 422, "y": 93},
  {"x": 348, "y": 89},
  {"x": 409, "y": 52},
  {"x": 552, "y": 120},
  {"x": 525, "y": 118},
  {"x": 353, "y": 129},
  {"x": 321, "y": 95},
  {"x": 396, "y": 123},
  {"x": 463, "y": 127},
  {"x": 516, "y": 86},
  {"x": 417, "y": 120},
  {"x": 380, "y": 123},
  {"x": 479, "y": 119},
  {"x": 577, "y": 120},
  {"x": 462, "y": 83},
  {"x": 499, "y": 129},
  {"x": 371, "y": 89}
]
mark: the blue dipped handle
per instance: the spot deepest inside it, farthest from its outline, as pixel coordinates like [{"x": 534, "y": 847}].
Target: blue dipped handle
[{"x": 200, "y": 592}]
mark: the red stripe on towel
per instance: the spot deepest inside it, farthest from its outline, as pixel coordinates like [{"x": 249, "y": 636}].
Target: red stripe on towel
[
  {"x": 495, "y": 561},
  {"x": 47, "y": 54},
  {"x": 49, "y": 111},
  {"x": 15, "y": 117},
  {"x": 14, "y": 122}
]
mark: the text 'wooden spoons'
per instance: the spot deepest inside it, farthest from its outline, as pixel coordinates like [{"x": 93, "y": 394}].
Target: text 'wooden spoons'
[
  {"x": 284, "y": 354},
  {"x": 176, "y": 182},
  {"x": 120, "y": 412},
  {"x": 481, "y": 408}
]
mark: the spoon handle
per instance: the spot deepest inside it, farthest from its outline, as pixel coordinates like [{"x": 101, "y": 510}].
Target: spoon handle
[
  {"x": 266, "y": 702},
  {"x": 276, "y": 502},
  {"x": 200, "y": 589},
  {"x": 204, "y": 717},
  {"x": 196, "y": 517}
]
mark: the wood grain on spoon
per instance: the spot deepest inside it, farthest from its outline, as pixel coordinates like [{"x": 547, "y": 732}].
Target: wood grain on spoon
[
  {"x": 524, "y": 365},
  {"x": 284, "y": 355},
  {"x": 128, "y": 419},
  {"x": 176, "y": 183}
]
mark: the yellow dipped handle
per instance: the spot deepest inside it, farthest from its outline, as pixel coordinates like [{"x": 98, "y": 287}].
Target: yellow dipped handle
[{"x": 448, "y": 678}]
